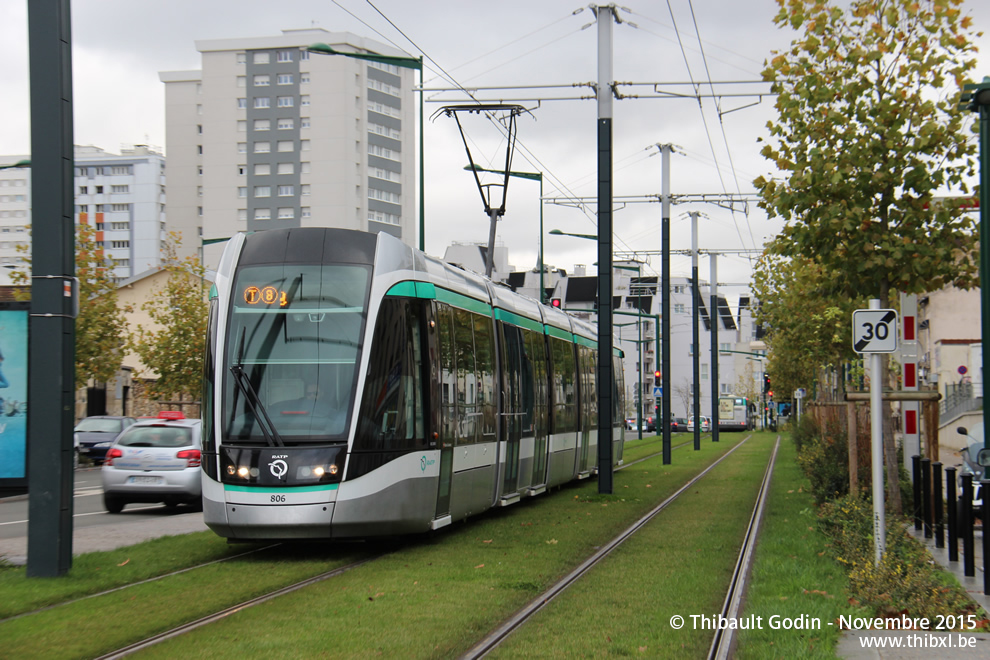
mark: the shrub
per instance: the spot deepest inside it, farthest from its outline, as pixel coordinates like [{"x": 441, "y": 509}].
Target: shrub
[
  {"x": 904, "y": 582},
  {"x": 824, "y": 456}
]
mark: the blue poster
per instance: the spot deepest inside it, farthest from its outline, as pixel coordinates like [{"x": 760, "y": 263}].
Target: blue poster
[{"x": 13, "y": 393}]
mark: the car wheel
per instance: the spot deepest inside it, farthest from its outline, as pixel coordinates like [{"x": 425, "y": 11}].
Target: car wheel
[{"x": 113, "y": 504}]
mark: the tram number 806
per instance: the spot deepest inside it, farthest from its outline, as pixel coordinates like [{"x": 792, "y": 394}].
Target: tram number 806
[{"x": 278, "y": 499}]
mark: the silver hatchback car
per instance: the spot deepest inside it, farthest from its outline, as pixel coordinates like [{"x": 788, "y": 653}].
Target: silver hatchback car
[{"x": 154, "y": 460}]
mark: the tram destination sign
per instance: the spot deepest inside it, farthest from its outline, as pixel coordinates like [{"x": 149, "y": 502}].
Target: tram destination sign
[{"x": 874, "y": 330}]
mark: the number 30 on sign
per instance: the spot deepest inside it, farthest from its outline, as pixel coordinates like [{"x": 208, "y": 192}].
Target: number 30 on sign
[{"x": 874, "y": 331}]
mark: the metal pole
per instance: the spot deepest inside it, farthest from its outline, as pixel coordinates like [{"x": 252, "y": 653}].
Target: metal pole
[
  {"x": 939, "y": 519},
  {"x": 966, "y": 525},
  {"x": 665, "y": 297},
  {"x": 543, "y": 288},
  {"x": 984, "y": 111},
  {"x": 695, "y": 340},
  {"x": 714, "y": 350},
  {"x": 950, "y": 491},
  {"x": 51, "y": 353},
  {"x": 916, "y": 489},
  {"x": 422, "y": 167},
  {"x": 876, "y": 426},
  {"x": 605, "y": 16},
  {"x": 490, "y": 257},
  {"x": 926, "y": 495}
]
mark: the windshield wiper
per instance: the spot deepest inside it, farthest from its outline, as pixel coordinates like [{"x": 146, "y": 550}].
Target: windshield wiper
[{"x": 254, "y": 402}]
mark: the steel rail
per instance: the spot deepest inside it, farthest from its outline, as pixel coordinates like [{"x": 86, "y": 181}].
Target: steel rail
[
  {"x": 217, "y": 616},
  {"x": 510, "y": 625},
  {"x": 724, "y": 641}
]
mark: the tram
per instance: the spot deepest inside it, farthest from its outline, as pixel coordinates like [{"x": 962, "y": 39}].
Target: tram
[{"x": 356, "y": 387}]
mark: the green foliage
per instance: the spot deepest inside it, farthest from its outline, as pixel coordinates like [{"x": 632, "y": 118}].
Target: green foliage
[
  {"x": 823, "y": 454},
  {"x": 174, "y": 351},
  {"x": 904, "y": 582},
  {"x": 867, "y": 131},
  {"x": 101, "y": 327}
]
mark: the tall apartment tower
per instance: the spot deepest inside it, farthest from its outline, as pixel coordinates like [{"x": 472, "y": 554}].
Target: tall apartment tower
[
  {"x": 267, "y": 135},
  {"x": 121, "y": 195}
]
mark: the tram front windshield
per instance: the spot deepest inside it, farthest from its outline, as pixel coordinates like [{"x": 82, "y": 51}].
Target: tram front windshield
[{"x": 293, "y": 346}]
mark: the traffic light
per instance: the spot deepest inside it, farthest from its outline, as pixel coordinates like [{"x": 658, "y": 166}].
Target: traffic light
[
  {"x": 555, "y": 302},
  {"x": 766, "y": 383},
  {"x": 656, "y": 378}
]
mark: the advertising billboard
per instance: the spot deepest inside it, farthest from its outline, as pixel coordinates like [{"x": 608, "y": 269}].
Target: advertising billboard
[{"x": 13, "y": 393}]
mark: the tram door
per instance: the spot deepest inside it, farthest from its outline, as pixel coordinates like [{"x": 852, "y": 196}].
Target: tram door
[
  {"x": 540, "y": 411},
  {"x": 445, "y": 377},
  {"x": 513, "y": 411},
  {"x": 589, "y": 405}
]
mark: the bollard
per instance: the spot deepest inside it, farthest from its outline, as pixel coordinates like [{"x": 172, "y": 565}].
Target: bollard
[
  {"x": 984, "y": 484},
  {"x": 916, "y": 482},
  {"x": 939, "y": 494},
  {"x": 966, "y": 526},
  {"x": 950, "y": 491},
  {"x": 926, "y": 495}
]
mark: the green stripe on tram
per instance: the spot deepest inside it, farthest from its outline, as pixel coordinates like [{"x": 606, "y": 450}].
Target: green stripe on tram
[
  {"x": 554, "y": 331},
  {"x": 429, "y": 291},
  {"x": 584, "y": 341},
  {"x": 515, "y": 319},
  {"x": 284, "y": 490}
]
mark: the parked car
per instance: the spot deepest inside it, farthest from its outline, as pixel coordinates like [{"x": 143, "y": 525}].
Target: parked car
[
  {"x": 154, "y": 460},
  {"x": 678, "y": 424},
  {"x": 706, "y": 424},
  {"x": 94, "y": 435}
]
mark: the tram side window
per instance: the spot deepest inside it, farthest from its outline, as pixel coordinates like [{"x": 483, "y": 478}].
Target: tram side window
[
  {"x": 528, "y": 390},
  {"x": 537, "y": 349},
  {"x": 484, "y": 348},
  {"x": 563, "y": 381},
  {"x": 448, "y": 375},
  {"x": 391, "y": 418},
  {"x": 589, "y": 392},
  {"x": 618, "y": 388},
  {"x": 467, "y": 378}
]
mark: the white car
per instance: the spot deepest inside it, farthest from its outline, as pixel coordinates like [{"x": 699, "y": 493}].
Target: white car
[
  {"x": 706, "y": 424},
  {"x": 155, "y": 460}
]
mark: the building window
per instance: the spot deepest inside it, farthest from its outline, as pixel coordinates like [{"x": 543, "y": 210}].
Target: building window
[
  {"x": 286, "y": 191},
  {"x": 305, "y": 212},
  {"x": 303, "y": 54},
  {"x": 83, "y": 190},
  {"x": 304, "y": 122},
  {"x": 242, "y": 214},
  {"x": 242, "y": 147},
  {"x": 126, "y": 169},
  {"x": 304, "y": 166},
  {"x": 261, "y": 57},
  {"x": 242, "y": 191},
  {"x": 286, "y": 145},
  {"x": 241, "y": 104},
  {"x": 262, "y": 102},
  {"x": 304, "y": 189},
  {"x": 382, "y": 152},
  {"x": 303, "y": 78},
  {"x": 262, "y": 80},
  {"x": 262, "y": 214},
  {"x": 242, "y": 58},
  {"x": 120, "y": 189},
  {"x": 286, "y": 101},
  {"x": 242, "y": 81},
  {"x": 241, "y": 170},
  {"x": 122, "y": 263},
  {"x": 262, "y": 191},
  {"x": 262, "y": 124},
  {"x": 285, "y": 124},
  {"x": 241, "y": 126},
  {"x": 120, "y": 207},
  {"x": 304, "y": 99},
  {"x": 284, "y": 79},
  {"x": 262, "y": 147},
  {"x": 120, "y": 226},
  {"x": 678, "y": 308},
  {"x": 378, "y": 129},
  {"x": 304, "y": 145},
  {"x": 101, "y": 208},
  {"x": 284, "y": 56},
  {"x": 286, "y": 213},
  {"x": 262, "y": 169},
  {"x": 286, "y": 168},
  {"x": 387, "y": 218},
  {"x": 119, "y": 245}
]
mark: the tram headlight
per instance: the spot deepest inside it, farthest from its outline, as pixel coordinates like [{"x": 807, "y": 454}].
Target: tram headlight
[
  {"x": 243, "y": 472},
  {"x": 333, "y": 469},
  {"x": 231, "y": 470},
  {"x": 318, "y": 471}
]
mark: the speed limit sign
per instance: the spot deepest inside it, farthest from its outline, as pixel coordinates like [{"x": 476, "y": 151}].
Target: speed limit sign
[{"x": 874, "y": 331}]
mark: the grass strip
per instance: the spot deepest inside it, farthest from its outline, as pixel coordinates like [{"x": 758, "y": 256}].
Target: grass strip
[
  {"x": 679, "y": 564},
  {"x": 793, "y": 577},
  {"x": 437, "y": 598}
]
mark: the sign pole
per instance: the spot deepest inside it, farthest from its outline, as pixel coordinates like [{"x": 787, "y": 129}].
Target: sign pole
[{"x": 876, "y": 426}]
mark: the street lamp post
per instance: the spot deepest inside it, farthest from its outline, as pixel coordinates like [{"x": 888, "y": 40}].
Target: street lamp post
[
  {"x": 976, "y": 98},
  {"x": 532, "y": 176},
  {"x": 406, "y": 63}
]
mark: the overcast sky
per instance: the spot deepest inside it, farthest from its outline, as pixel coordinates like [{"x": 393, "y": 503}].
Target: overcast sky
[{"x": 120, "y": 46}]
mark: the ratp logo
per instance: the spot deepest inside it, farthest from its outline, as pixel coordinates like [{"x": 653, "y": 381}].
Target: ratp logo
[
  {"x": 425, "y": 462},
  {"x": 278, "y": 468}
]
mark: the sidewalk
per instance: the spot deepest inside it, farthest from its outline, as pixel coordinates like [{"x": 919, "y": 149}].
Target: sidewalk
[
  {"x": 921, "y": 645},
  {"x": 111, "y": 537}
]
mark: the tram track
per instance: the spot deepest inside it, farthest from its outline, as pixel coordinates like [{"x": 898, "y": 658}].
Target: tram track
[
  {"x": 223, "y": 614},
  {"x": 521, "y": 617},
  {"x": 723, "y": 642}
]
